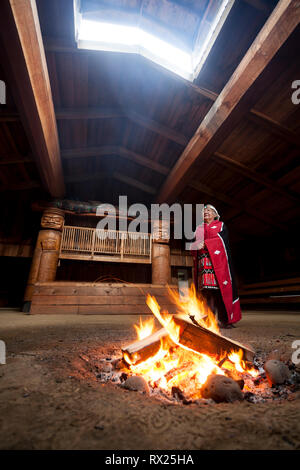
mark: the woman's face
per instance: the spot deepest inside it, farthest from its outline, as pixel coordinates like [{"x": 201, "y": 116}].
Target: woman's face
[{"x": 208, "y": 215}]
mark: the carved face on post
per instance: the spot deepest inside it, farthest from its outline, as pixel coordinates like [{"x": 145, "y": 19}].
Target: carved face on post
[
  {"x": 49, "y": 244},
  {"x": 52, "y": 219}
]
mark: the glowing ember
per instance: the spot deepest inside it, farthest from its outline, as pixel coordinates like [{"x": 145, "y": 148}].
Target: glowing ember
[{"x": 174, "y": 364}]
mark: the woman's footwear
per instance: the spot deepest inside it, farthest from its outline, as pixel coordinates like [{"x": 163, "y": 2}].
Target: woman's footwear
[{"x": 227, "y": 326}]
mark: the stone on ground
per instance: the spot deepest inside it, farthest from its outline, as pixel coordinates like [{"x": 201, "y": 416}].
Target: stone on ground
[
  {"x": 221, "y": 389},
  {"x": 136, "y": 383},
  {"x": 277, "y": 372}
]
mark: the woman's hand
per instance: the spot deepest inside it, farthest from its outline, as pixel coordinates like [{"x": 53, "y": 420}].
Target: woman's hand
[{"x": 200, "y": 246}]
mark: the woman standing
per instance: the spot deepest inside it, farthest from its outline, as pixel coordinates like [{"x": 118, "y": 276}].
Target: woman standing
[{"x": 213, "y": 271}]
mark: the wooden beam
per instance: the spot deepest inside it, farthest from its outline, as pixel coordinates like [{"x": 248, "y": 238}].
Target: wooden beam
[
  {"x": 105, "y": 113},
  {"x": 88, "y": 113},
  {"x": 158, "y": 128},
  {"x": 135, "y": 183},
  {"x": 235, "y": 203},
  {"x": 255, "y": 176},
  {"x": 83, "y": 177},
  {"x": 115, "y": 150},
  {"x": 26, "y": 70},
  {"x": 236, "y": 98}
]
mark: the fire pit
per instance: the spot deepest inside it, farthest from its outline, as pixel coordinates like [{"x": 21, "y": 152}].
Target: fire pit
[{"x": 188, "y": 360}]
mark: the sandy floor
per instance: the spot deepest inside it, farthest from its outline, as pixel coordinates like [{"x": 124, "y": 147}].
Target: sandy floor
[{"x": 51, "y": 399}]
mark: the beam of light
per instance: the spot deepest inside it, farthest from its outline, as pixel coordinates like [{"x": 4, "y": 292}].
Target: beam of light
[
  {"x": 115, "y": 37},
  {"x": 100, "y": 35}
]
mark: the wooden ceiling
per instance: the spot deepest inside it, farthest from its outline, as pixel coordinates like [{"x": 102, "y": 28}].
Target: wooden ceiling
[{"x": 124, "y": 124}]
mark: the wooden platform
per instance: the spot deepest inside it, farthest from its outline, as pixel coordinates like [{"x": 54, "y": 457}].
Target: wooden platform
[{"x": 97, "y": 298}]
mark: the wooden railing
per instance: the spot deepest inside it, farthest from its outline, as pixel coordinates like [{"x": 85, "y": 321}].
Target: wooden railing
[{"x": 105, "y": 245}]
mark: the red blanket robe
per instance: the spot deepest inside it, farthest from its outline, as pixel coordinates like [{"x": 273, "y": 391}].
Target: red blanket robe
[{"x": 216, "y": 241}]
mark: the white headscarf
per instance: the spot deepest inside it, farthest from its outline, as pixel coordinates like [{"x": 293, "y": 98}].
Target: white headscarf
[{"x": 214, "y": 209}]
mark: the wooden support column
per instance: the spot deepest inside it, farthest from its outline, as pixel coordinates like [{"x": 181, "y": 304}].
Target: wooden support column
[
  {"x": 161, "y": 259},
  {"x": 46, "y": 253}
]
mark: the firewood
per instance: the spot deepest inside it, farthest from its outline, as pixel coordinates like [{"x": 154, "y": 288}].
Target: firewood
[
  {"x": 205, "y": 341},
  {"x": 196, "y": 338},
  {"x": 143, "y": 349}
]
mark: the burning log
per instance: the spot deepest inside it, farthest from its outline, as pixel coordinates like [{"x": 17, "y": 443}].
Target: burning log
[
  {"x": 196, "y": 338},
  {"x": 205, "y": 341},
  {"x": 141, "y": 350}
]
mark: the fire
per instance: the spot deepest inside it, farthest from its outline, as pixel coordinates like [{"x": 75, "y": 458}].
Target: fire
[
  {"x": 196, "y": 309},
  {"x": 165, "y": 319},
  {"x": 176, "y": 365},
  {"x": 144, "y": 329},
  {"x": 236, "y": 359}
]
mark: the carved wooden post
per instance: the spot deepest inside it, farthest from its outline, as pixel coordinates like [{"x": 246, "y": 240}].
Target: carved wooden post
[
  {"x": 161, "y": 260},
  {"x": 45, "y": 257}
]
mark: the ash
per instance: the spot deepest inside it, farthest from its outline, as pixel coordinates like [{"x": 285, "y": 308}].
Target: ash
[{"x": 255, "y": 390}]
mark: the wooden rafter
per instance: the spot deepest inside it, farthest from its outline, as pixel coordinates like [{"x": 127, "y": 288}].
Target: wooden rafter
[
  {"x": 105, "y": 113},
  {"x": 83, "y": 177},
  {"x": 235, "y": 100},
  {"x": 134, "y": 182},
  {"x": 27, "y": 74},
  {"x": 115, "y": 150}
]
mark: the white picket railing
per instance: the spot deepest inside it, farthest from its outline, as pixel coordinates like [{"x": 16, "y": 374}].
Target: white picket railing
[{"x": 91, "y": 243}]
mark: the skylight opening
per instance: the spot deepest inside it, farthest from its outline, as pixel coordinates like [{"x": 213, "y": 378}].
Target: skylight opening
[{"x": 101, "y": 35}]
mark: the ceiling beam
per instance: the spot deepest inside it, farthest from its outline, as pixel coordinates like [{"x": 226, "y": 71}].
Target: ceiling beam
[
  {"x": 253, "y": 175},
  {"x": 83, "y": 177},
  {"x": 134, "y": 182},
  {"x": 105, "y": 150},
  {"x": 88, "y": 113},
  {"x": 236, "y": 98},
  {"x": 238, "y": 205},
  {"x": 158, "y": 128},
  {"x": 137, "y": 118},
  {"x": 27, "y": 74}
]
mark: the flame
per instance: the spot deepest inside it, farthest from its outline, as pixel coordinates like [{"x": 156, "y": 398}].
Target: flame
[
  {"x": 145, "y": 328},
  {"x": 174, "y": 364},
  {"x": 195, "y": 308},
  {"x": 165, "y": 319},
  {"x": 236, "y": 357}
]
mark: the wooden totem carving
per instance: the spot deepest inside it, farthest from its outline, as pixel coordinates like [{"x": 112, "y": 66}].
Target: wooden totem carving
[
  {"x": 46, "y": 253},
  {"x": 161, "y": 260}
]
